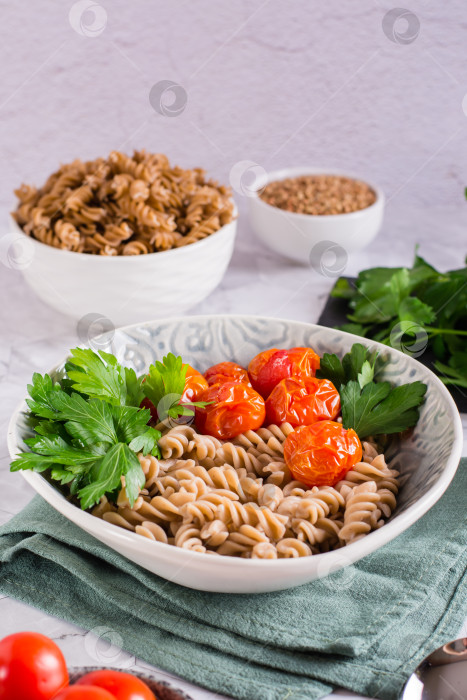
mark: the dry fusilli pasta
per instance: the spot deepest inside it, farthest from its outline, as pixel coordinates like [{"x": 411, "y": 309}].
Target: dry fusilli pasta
[{"x": 123, "y": 205}]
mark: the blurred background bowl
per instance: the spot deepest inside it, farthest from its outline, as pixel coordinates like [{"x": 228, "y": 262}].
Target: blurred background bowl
[
  {"x": 127, "y": 288},
  {"x": 306, "y": 237}
]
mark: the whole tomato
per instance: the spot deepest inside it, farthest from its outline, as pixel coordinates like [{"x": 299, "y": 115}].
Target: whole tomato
[
  {"x": 303, "y": 401},
  {"x": 321, "y": 454},
  {"x": 84, "y": 692},
  {"x": 122, "y": 686},
  {"x": 235, "y": 408},
  {"x": 31, "y": 666},
  {"x": 226, "y": 372},
  {"x": 268, "y": 368},
  {"x": 195, "y": 384}
]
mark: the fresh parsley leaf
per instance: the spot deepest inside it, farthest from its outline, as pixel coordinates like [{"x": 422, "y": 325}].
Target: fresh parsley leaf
[
  {"x": 98, "y": 376},
  {"x": 379, "y": 409},
  {"x": 89, "y": 421},
  {"x": 134, "y": 387},
  {"x": 106, "y": 475},
  {"x": 456, "y": 371},
  {"x": 365, "y": 376},
  {"x": 146, "y": 442},
  {"x": 60, "y": 451},
  {"x": 40, "y": 392},
  {"x": 348, "y": 369},
  {"x": 130, "y": 421},
  {"x": 415, "y": 311},
  {"x": 166, "y": 378}
]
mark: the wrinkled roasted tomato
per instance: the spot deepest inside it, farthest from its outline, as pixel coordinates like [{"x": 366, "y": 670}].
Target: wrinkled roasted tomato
[
  {"x": 321, "y": 454},
  {"x": 195, "y": 384},
  {"x": 303, "y": 401},
  {"x": 235, "y": 408},
  {"x": 268, "y": 368},
  {"x": 226, "y": 372}
]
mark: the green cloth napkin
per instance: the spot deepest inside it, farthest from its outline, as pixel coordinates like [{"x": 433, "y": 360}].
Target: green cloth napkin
[{"x": 365, "y": 628}]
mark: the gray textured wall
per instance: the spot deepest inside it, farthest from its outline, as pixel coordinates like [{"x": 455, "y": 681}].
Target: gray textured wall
[{"x": 275, "y": 82}]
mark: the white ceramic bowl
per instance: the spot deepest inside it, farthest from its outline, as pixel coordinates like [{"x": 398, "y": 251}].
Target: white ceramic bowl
[
  {"x": 428, "y": 459},
  {"x": 307, "y": 238},
  {"x": 125, "y": 288}
]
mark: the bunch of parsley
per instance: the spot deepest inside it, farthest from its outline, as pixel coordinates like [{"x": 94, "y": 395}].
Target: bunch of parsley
[
  {"x": 412, "y": 307},
  {"x": 368, "y": 406},
  {"x": 89, "y": 425}
]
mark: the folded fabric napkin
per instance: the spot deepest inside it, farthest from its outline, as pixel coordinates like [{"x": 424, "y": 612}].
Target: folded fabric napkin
[{"x": 365, "y": 627}]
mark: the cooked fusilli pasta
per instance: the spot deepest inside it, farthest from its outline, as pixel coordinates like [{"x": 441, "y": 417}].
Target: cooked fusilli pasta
[
  {"x": 217, "y": 497},
  {"x": 123, "y": 205}
]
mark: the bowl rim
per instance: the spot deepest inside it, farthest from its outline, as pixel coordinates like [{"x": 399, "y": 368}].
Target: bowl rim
[
  {"x": 354, "y": 551},
  {"x": 224, "y": 230},
  {"x": 296, "y": 171}
]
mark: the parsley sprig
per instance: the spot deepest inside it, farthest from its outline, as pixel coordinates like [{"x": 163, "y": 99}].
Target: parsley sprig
[
  {"x": 89, "y": 425},
  {"x": 368, "y": 406},
  {"x": 416, "y": 308}
]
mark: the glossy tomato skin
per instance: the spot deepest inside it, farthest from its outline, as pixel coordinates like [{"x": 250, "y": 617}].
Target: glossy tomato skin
[
  {"x": 227, "y": 372},
  {"x": 303, "y": 401},
  {"x": 195, "y": 385},
  {"x": 235, "y": 408},
  {"x": 122, "y": 686},
  {"x": 31, "y": 666},
  {"x": 84, "y": 692},
  {"x": 268, "y": 368},
  {"x": 321, "y": 454}
]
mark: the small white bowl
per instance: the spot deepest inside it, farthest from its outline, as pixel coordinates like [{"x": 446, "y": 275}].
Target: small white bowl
[
  {"x": 125, "y": 288},
  {"x": 306, "y": 238},
  {"x": 428, "y": 457}
]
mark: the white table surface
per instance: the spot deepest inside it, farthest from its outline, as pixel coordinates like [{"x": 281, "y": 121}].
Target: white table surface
[{"x": 34, "y": 337}]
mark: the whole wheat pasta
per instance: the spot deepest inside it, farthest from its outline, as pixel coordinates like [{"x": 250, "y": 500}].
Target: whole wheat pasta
[
  {"x": 217, "y": 497},
  {"x": 123, "y": 205}
]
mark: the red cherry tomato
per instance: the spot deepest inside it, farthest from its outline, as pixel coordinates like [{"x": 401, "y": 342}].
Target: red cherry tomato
[
  {"x": 303, "y": 401},
  {"x": 321, "y": 454},
  {"x": 268, "y": 368},
  {"x": 84, "y": 692},
  {"x": 120, "y": 685},
  {"x": 226, "y": 372},
  {"x": 31, "y": 666},
  {"x": 235, "y": 408},
  {"x": 195, "y": 384}
]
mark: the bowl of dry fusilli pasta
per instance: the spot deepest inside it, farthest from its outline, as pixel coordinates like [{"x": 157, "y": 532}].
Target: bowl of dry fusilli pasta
[
  {"x": 228, "y": 514},
  {"x": 128, "y": 237}
]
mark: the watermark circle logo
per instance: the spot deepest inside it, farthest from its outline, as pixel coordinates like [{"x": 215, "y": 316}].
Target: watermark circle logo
[
  {"x": 338, "y": 574},
  {"x": 16, "y": 251},
  {"x": 104, "y": 644},
  {"x": 167, "y": 412},
  {"x": 328, "y": 258},
  {"x": 401, "y": 26},
  {"x": 168, "y": 98},
  {"x": 95, "y": 330},
  {"x": 409, "y": 337},
  {"x": 88, "y": 18},
  {"x": 248, "y": 178}
]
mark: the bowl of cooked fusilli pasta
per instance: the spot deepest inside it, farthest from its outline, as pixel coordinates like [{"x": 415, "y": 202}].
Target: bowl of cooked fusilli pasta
[
  {"x": 129, "y": 237},
  {"x": 234, "y": 511}
]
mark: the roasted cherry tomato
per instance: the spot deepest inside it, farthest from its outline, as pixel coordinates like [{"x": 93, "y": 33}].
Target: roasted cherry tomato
[
  {"x": 235, "y": 408},
  {"x": 226, "y": 372},
  {"x": 303, "y": 401},
  {"x": 268, "y": 368},
  {"x": 84, "y": 692},
  {"x": 31, "y": 666},
  {"x": 321, "y": 454},
  {"x": 122, "y": 686},
  {"x": 195, "y": 384}
]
